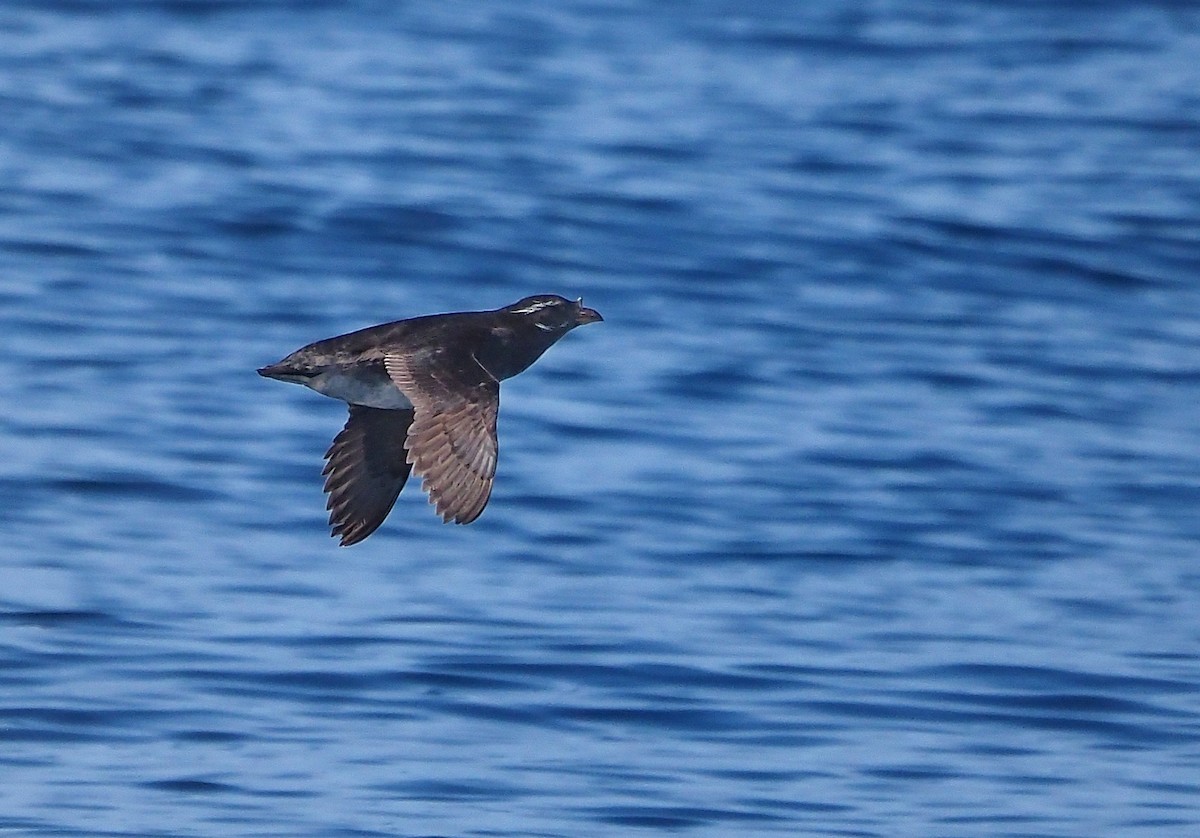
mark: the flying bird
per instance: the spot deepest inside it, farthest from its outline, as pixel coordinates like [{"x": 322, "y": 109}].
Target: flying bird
[{"x": 423, "y": 395}]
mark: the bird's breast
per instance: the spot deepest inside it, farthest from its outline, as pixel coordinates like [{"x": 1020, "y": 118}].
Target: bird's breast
[{"x": 365, "y": 384}]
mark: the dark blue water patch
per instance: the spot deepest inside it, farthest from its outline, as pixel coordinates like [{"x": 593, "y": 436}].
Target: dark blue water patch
[
  {"x": 1047, "y": 678},
  {"x": 647, "y": 675},
  {"x": 664, "y": 153},
  {"x": 260, "y": 221},
  {"x": 219, "y": 737},
  {"x": 132, "y": 486},
  {"x": 754, "y": 552},
  {"x": 787, "y": 808},
  {"x": 138, "y": 92},
  {"x": 612, "y": 205},
  {"x": 914, "y": 773},
  {"x": 491, "y": 625},
  {"x": 1093, "y": 609},
  {"x": 392, "y": 224},
  {"x": 1058, "y": 267},
  {"x": 447, "y": 791},
  {"x": 534, "y": 717},
  {"x": 1161, "y": 494},
  {"x": 61, "y": 724},
  {"x": 1170, "y": 787},
  {"x": 1033, "y": 256},
  {"x": 453, "y": 681},
  {"x": 43, "y": 248},
  {"x": 757, "y": 552},
  {"x": 1107, "y": 733},
  {"x": 955, "y": 381},
  {"x": 308, "y": 686},
  {"x": 127, "y": 11},
  {"x": 751, "y": 775},
  {"x": 677, "y": 817},
  {"x": 714, "y": 384},
  {"x": 1009, "y": 821},
  {"x": 1037, "y": 703},
  {"x": 550, "y": 505},
  {"x": 639, "y": 645},
  {"x": 1158, "y": 823},
  {"x": 290, "y": 590},
  {"x": 190, "y": 785},
  {"x": 709, "y": 722},
  {"x": 66, "y": 619},
  {"x": 340, "y": 644}
]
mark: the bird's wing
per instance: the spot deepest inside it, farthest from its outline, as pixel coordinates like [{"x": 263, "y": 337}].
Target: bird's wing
[
  {"x": 452, "y": 440},
  {"x": 366, "y": 469}
]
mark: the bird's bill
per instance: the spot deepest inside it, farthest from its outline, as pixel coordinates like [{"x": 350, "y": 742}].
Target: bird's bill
[
  {"x": 283, "y": 372},
  {"x": 585, "y": 314}
]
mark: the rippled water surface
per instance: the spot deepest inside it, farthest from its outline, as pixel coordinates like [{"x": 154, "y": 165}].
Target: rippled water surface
[{"x": 871, "y": 509}]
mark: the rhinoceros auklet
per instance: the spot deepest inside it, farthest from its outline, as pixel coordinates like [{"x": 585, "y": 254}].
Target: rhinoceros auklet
[{"x": 423, "y": 394}]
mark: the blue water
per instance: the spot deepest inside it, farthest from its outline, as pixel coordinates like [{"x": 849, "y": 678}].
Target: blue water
[{"x": 871, "y": 509}]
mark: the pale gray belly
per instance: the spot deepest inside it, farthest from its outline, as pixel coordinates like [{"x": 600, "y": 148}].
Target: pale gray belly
[{"x": 360, "y": 385}]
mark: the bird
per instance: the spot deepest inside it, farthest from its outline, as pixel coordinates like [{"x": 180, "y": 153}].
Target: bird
[{"x": 423, "y": 395}]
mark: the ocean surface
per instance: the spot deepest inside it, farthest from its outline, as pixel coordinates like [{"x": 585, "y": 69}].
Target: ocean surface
[{"x": 872, "y": 508}]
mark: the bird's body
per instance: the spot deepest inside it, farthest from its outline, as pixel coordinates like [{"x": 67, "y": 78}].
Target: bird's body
[{"x": 423, "y": 393}]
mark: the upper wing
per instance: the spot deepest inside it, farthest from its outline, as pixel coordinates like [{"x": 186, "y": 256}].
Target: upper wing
[
  {"x": 366, "y": 469},
  {"x": 452, "y": 440}
]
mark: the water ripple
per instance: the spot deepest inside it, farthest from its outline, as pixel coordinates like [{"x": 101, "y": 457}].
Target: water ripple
[{"x": 867, "y": 511}]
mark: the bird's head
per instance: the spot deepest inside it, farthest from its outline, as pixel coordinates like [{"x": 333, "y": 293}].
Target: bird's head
[{"x": 553, "y": 314}]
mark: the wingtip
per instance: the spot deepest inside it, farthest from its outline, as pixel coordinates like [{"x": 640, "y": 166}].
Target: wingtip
[
  {"x": 347, "y": 536},
  {"x": 450, "y": 515}
]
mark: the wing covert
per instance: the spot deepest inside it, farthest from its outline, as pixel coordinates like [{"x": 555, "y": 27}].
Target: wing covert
[{"x": 452, "y": 440}]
